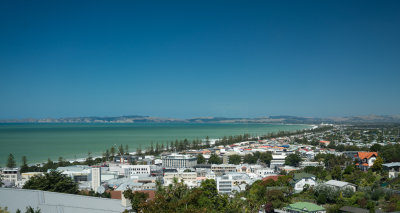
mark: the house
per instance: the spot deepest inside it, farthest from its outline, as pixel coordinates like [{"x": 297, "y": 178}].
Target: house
[
  {"x": 340, "y": 185},
  {"x": 393, "y": 168},
  {"x": 300, "y": 180},
  {"x": 302, "y": 207},
  {"x": 366, "y": 159}
]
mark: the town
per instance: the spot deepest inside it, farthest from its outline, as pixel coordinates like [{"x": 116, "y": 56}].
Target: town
[{"x": 329, "y": 168}]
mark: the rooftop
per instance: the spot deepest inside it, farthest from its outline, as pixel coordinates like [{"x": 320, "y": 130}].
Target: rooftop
[
  {"x": 49, "y": 202},
  {"x": 305, "y": 207}
]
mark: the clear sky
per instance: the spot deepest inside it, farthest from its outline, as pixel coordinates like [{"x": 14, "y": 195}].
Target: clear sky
[{"x": 199, "y": 58}]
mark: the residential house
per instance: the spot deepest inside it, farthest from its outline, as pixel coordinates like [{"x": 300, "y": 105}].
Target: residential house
[
  {"x": 304, "y": 207},
  {"x": 366, "y": 160},
  {"x": 341, "y": 185},
  {"x": 393, "y": 168},
  {"x": 300, "y": 180}
]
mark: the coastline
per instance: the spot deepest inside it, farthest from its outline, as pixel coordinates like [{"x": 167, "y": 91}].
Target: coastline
[{"x": 73, "y": 141}]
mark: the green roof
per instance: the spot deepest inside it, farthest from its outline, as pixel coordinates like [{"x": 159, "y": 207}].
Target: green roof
[
  {"x": 299, "y": 176},
  {"x": 305, "y": 207}
]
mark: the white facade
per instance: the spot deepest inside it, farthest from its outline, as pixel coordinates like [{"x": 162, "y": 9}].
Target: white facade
[
  {"x": 179, "y": 161},
  {"x": 299, "y": 186},
  {"x": 10, "y": 175},
  {"x": 189, "y": 178},
  {"x": 137, "y": 169},
  {"x": 264, "y": 172},
  {"x": 96, "y": 178}
]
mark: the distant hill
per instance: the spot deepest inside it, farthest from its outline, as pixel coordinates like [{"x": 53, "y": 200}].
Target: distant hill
[{"x": 369, "y": 119}]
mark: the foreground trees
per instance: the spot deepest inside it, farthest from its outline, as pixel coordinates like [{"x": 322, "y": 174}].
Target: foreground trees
[{"x": 54, "y": 182}]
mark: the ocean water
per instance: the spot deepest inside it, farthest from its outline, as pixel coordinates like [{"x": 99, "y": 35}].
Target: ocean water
[{"x": 73, "y": 141}]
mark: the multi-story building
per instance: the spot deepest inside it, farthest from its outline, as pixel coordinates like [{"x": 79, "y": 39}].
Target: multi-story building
[
  {"x": 96, "y": 178},
  {"x": 10, "y": 175},
  {"x": 179, "y": 161},
  {"x": 137, "y": 170},
  {"x": 219, "y": 169},
  {"x": 189, "y": 178}
]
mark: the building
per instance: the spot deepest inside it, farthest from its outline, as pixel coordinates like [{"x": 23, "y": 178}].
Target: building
[
  {"x": 137, "y": 169},
  {"x": 96, "y": 178},
  {"x": 303, "y": 207},
  {"x": 300, "y": 180},
  {"x": 366, "y": 159},
  {"x": 179, "y": 161},
  {"x": 393, "y": 168},
  {"x": 264, "y": 172},
  {"x": 220, "y": 169},
  {"x": 50, "y": 202},
  {"x": 189, "y": 178},
  {"x": 231, "y": 182},
  {"x": 340, "y": 185},
  {"x": 10, "y": 175}
]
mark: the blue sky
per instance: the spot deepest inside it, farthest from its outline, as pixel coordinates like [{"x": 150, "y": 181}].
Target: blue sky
[{"x": 199, "y": 58}]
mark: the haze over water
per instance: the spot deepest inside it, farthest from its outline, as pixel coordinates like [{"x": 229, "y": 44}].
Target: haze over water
[{"x": 73, "y": 141}]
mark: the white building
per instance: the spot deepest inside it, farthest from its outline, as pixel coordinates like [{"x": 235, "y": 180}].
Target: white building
[
  {"x": 300, "y": 180},
  {"x": 96, "y": 178},
  {"x": 340, "y": 185},
  {"x": 10, "y": 175},
  {"x": 179, "y": 161},
  {"x": 264, "y": 172},
  {"x": 223, "y": 168},
  {"x": 231, "y": 182},
  {"x": 189, "y": 178},
  {"x": 136, "y": 169}
]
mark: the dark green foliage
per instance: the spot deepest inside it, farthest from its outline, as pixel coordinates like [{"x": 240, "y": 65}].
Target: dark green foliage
[
  {"x": 235, "y": 159},
  {"x": 53, "y": 181},
  {"x": 214, "y": 159},
  {"x": 24, "y": 167},
  {"x": 179, "y": 198},
  {"x": 200, "y": 159},
  {"x": 11, "y": 161},
  {"x": 136, "y": 198},
  {"x": 293, "y": 160},
  {"x": 29, "y": 209}
]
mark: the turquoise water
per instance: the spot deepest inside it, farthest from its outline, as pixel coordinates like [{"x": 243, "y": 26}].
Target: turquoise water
[{"x": 73, "y": 141}]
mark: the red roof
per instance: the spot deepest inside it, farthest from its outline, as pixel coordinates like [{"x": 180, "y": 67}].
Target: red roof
[
  {"x": 365, "y": 164},
  {"x": 273, "y": 177},
  {"x": 324, "y": 141},
  {"x": 367, "y": 155}
]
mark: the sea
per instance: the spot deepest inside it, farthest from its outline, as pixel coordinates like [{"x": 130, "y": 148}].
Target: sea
[{"x": 39, "y": 142}]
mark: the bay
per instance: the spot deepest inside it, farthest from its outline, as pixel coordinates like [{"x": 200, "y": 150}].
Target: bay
[{"x": 73, "y": 141}]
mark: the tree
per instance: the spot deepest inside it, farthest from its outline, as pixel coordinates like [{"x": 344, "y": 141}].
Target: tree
[
  {"x": 112, "y": 150},
  {"x": 336, "y": 173},
  {"x": 11, "y": 161},
  {"x": 53, "y": 181},
  {"x": 214, "y": 159},
  {"x": 377, "y": 166},
  {"x": 250, "y": 159},
  {"x": 5, "y": 210},
  {"x": 126, "y": 149},
  {"x": 29, "y": 209},
  {"x": 293, "y": 160},
  {"x": 200, "y": 159},
  {"x": 375, "y": 148},
  {"x": 137, "y": 199},
  {"x": 24, "y": 167},
  {"x": 235, "y": 159}
]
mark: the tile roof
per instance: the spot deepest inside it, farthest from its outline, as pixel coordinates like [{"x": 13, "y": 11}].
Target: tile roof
[{"x": 367, "y": 155}]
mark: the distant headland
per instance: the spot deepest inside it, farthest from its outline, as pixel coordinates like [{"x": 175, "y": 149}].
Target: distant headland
[{"x": 368, "y": 119}]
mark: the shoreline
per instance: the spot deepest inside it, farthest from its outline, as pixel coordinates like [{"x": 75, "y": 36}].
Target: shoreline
[{"x": 81, "y": 155}]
